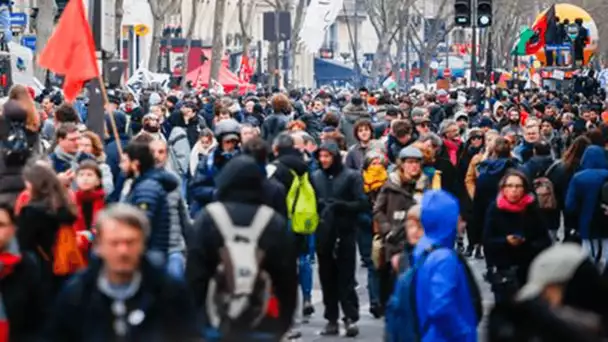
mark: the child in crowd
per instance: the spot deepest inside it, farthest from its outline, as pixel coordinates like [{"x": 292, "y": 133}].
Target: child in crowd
[
  {"x": 413, "y": 233},
  {"x": 90, "y": 200}
]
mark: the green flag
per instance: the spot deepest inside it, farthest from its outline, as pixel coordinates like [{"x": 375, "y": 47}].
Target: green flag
[{"x": 524, "y": 37}]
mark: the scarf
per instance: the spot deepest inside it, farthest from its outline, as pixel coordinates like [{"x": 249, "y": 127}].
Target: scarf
[
  {"x": 8, "y": 260},
  {"x": 86, "y": 233},
  {"x": 374, "y": 178},
  {"x": 119, "y": 295},
  {"x": 452, "y": 149},
  {"x": 503, "y": 204}
]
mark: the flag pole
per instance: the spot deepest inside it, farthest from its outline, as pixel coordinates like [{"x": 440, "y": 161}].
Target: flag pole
[{"x": 104, "y": 94}]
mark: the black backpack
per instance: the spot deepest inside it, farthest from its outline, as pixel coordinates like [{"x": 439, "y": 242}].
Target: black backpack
[{"x": 15, "y": 147}]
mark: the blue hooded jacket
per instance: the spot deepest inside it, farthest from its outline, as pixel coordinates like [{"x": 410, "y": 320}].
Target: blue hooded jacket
[
  {"x": 149, "y": 193},
  {"x": 585, "y": 186},
  {"x": 444, "y": 305}
]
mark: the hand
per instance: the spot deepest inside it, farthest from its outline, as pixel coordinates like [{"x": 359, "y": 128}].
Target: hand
[
  {"x": 67, "y": 177},
  {"x": 515, "y": 240}
]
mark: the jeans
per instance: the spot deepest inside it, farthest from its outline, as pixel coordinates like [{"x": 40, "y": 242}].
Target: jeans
[
  {"x": 305, "y": 270},
  {"x": 364, "y": 240},
  {"x": 5, "y": 23},
  {"x": 593, "y": 248},
  {"x": 176, "y": 265}
]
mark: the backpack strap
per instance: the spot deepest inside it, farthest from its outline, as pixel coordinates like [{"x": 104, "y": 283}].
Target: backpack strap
[
  {"x": 552, "y": 167},
  {"x": 225, "y": 225}
]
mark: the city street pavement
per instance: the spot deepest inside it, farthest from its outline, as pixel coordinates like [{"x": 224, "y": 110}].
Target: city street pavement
[{"x": 371, "y": 330}]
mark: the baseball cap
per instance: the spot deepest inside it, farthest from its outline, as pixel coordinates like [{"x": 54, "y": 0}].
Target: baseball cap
[
  {"x": 555, "y": 265},
  {"x": 410, "y": 152}
]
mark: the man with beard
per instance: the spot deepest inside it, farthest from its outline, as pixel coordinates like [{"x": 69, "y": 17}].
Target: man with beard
[
  {"x": 148, "y": 192},
  {"x": 341, "y": 198},
  {"x": 513, "y": 126},
  {"x": 202, "y": 187}
]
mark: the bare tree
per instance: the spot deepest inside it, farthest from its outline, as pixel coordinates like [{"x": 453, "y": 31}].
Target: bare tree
[
  {"x": 245, "y": 15},
  {"x": 45, "y": 22},
  {"x": 436, "y": 34},
  {"x": 160, "y": 10},
  {"x": 189, "y": 34},
  {"x": 217, "y": 51},
  {"x": 385, "y": 16}
]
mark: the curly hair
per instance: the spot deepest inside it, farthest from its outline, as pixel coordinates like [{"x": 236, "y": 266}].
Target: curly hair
[{"x": 281, "y": 104}]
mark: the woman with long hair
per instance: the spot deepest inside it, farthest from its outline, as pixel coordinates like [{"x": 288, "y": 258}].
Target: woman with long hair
[
  {"x": 45, "y": 224},
  {"x": 560, "y": 174},
  {"x": 21, "y": 94},
  {"x": 514, "y": 233},
  {"x": 91, "y": 144}
]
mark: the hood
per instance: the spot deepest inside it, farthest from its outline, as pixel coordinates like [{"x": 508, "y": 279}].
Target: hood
[
  {"x": 332, "y": 148},
  {"x": 241, "y": 180},
  {"x": 354, "y": 112},
  {"x": 495, "y": 166},
  {"x": 594, "y": 158},
  {"x": 166, "y": 179},
  {"x": 541, "y": 162},
  {"x": 439, "y": 217},
  {"x": 294, "y": 161}
]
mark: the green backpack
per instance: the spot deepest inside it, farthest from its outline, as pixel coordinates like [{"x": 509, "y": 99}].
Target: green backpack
[{"x": 302, "y": 205}]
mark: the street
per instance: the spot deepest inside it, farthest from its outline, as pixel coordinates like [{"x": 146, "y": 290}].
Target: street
[{"x": 372, "y": 329}]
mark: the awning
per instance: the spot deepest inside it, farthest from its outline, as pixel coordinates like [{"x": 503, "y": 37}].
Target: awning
[{"x": 328, "y": 71}]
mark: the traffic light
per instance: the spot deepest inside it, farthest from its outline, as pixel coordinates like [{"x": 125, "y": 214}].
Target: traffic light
[
  {"x": 60, "y": 7},
  {"x": 462, "y": 11},
  {"x": 484, "y": 13}
]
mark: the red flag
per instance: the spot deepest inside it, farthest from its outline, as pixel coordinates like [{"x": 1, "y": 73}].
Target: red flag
[
  {"x": 71, "y": 50},
  {"x": 540, "y": 28}
]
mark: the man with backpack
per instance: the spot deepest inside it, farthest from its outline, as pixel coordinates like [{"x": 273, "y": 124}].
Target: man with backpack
[
  {"x": 289, "y": 166},
  {"x": 437, "y": 299},
  {"x": 238, "y": 232}
]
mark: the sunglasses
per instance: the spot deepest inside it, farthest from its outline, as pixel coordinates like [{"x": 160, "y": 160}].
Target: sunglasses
[
  {"x": 424, "y": 124},
  {"x": 476, "y": 137}
]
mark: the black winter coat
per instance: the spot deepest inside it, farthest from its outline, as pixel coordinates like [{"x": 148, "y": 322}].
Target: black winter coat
[
  {"x": 84, "y": 314},
  {"x": 24, "y": 300},
  {"x": 528, "y": 224},
  {"x": 279, "y": 262},
  {"x": 340, "y": 200}
]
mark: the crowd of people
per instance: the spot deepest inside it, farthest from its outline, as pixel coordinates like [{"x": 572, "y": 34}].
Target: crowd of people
[{"x": 198, "y": 215}]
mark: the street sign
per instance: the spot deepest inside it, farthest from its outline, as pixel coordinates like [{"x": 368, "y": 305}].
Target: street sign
[
  {"x": 447, "y": 73},
  {"x": 141, "y": 30},
  {"x": 18, "y": 20},
  {"x": 29, "y": 42}
]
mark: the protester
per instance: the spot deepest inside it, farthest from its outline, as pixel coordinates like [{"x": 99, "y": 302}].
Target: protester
[
  {"x": 148, "y": 192},
  {"x": 341, "y": 198},
  {"x": 24, "y": 302},
  {"x": 240, "y": 203},
  {"x": 179, "y": 215},
  {"x": 89, "y": 198},
  {"x": 553, "y": 306},
  {"x": 583, "y": 199},
  {"x": 122, "y": 295},
  {"x": 514, "y": 233},
  {"x": 91, "y": 144},
  {"x": 45, "y": 215}
]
